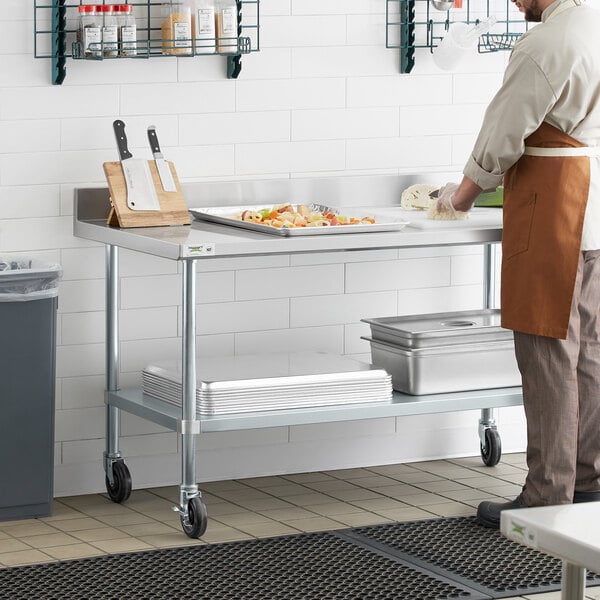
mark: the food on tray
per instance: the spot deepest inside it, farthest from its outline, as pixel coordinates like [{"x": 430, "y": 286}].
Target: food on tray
[
  {"x": 416, "y": 197},
  {"x": 285, "y": 215}
]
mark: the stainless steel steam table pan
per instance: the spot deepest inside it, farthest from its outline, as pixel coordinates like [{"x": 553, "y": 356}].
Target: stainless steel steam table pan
[
  {"x": 225, "y": 215},
  {"x": 442, "y": 369},
  {"x": 440, "y": 329}
]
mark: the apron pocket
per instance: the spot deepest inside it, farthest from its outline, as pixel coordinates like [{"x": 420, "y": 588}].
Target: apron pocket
[{"x": 519, "y": 208}]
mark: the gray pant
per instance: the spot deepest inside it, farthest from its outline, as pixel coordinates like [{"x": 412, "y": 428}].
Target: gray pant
[{"x": 561, "y": 396}]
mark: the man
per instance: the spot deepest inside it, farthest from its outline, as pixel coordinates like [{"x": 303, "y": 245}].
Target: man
[{"x": 541, "y": 134}]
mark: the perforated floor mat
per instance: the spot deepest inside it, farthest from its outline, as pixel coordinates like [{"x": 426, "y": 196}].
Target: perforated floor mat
[
  {"x": 318, "y": 566},
  {"x": 438, "y": 559},
  {"x": 465, "y": 552}
]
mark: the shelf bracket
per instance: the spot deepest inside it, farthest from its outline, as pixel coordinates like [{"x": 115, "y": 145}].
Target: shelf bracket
[
  {"x": 59, "y": 41},
  {"x": 407, "y": 35},
  {"x": 234, "y": 63}
]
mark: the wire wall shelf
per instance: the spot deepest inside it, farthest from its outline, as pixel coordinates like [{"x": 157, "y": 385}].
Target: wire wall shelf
[
  {"x": 413, "y": 24},
  {"x": 56, "y": 26}
]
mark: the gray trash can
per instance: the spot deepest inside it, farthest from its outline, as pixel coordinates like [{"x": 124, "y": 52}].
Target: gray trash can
[{"x": 28, "y": 304}]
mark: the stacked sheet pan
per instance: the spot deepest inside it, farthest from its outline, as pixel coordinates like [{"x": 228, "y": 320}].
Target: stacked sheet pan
[{"x": 255, "y": 383}]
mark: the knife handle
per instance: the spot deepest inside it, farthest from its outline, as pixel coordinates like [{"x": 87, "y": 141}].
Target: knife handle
[
  {"x": 119, "y": 128},
  {"x": 153, "y": 139}
]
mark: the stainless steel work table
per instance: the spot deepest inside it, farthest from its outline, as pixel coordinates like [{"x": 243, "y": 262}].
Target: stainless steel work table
[{"x": 204, "y": 241}]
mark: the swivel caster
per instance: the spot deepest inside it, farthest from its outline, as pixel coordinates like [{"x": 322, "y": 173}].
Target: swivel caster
[
  {"x": 491, "y": 449},
  {"x": 120, "y": 489},
  {"x": 195, "y": 520}
]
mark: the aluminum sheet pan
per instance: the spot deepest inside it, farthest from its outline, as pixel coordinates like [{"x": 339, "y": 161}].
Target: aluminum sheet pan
[
  {"x": 440, "y": 329},
  {"x": 224, "y": 216}
]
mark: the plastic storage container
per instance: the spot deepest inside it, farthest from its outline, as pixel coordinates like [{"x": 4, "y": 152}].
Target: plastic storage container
[{"x": 28, "y": 304}]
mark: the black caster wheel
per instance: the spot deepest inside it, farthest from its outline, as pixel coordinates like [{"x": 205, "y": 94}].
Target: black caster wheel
[
  {"x": 194, "y": 523},
  {"x": 491, "y": 451},
  {"x": 120, "y": 490}
]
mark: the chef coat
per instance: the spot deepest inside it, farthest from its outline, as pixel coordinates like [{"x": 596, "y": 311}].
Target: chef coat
[{"x": 553, "y": 76}]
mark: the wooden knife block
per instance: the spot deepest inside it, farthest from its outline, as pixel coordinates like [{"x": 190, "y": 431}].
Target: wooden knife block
[{"x": 173, "y": 208}]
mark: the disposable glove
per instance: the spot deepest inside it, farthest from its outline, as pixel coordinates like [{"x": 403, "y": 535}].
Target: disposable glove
[{"x": 445, "y": 208}]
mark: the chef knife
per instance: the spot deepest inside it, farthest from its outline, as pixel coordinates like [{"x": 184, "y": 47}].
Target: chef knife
[
  {"x": 164, "y": 171},
  {"x": 141, "y": 193}
]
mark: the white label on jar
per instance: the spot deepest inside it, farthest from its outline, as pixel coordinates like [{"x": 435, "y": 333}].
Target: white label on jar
[
  {"x": 110, "y": 38},
  {"x": 129, "y": 38},
  {"x": 92, "y": 36},
  {"x": 181, "y": 35},
  {"x": 229, "y": 22},
  {"x": 206, "y": 22}
]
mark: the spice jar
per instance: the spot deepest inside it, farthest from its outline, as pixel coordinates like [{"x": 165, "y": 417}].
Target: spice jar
[
  {"x": 127, "y": 30},
  {"x": 203, "y": 27},
  {"x": 110, "y": 30},
  {"x": 177, "y": 28},
  {"x": 227, "y": 26},
  {"x": 89, "y": 32}
]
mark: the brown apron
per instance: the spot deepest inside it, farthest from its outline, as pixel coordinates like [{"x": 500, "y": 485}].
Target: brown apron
[{"x": 545, "y": 198}]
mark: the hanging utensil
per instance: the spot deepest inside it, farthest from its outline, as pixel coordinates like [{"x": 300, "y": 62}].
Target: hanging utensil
[
  {"x": 164, "y": 171},
  {"x": 141, "y": 193}
]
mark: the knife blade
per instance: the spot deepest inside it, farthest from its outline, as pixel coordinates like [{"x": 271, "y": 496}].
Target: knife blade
[
  {"x": 435, "y": 193},
  {"x": 164, "y": 171},
  {"x": 141, "y": 193}
]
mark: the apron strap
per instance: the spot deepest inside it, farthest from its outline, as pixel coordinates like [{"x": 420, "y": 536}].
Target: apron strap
[{"x": 581, "y": 151}]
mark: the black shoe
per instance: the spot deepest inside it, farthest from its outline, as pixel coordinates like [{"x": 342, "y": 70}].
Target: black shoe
[
  {"x": 586, "y": 497},
  {"x": 488, "y": 513}
]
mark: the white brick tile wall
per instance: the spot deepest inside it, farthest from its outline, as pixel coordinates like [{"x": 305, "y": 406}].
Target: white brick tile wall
[{"x": 323, "y": 97}]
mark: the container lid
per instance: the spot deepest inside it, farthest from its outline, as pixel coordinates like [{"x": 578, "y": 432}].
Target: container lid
[
  {"x": 124, "y": 8},
  {"x": 87, "y": 8},
  {"x": 449, "y": 323}
]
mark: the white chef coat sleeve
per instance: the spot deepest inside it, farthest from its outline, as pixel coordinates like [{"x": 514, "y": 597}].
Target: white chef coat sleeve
[{"x": 516, "y": 111}]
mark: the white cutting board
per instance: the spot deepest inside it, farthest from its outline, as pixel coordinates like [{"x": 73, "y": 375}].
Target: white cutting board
[{"x": 478, "y": 217}]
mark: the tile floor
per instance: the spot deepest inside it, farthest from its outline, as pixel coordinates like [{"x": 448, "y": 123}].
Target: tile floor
[{"x": 92, "y": 525}]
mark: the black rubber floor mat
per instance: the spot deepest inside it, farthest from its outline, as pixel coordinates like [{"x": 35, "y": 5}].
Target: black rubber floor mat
[
  {"x": 320, "y": 566},
  {"x": 461, "y": 550}
]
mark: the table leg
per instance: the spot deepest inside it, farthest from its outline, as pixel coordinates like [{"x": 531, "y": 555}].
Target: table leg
[{"x": 573, "y": 582}]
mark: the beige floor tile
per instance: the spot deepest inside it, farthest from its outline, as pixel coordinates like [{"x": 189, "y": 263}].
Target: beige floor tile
[
  {"x": 480, "y": 481},
  {"x": 267, "y": 504},
  {"x": 349, "y": 474},
  {"x": 31, "y": 527},
  {"x": 4, "y": 536},
  {"x": 354, "y": 495},
  {"x": 265, "y": 482},
  {"x": 331, "y": 509},
  {"x": 241, "y": 518},
  {"x": 546, "y": 596},
  {"x": 49, "y": 539},
  {"x": 130, "y": 518},
  {"x": 374, "y": 482},
  {"x": 94, "y": 535},
  {"x": 410, "y": 513},
  {"x": 378, "y": 504},
  {"x": 451, "y": 509},
  {"x": 417, "y": 478},
  {"x": 167, "y": 491},
  {"x": 266, "y": 529},
  {"x": 60, "y": 511},
  {"x": 170, "y": 540},
  {"x": 361, "y": 519},
  {"x": 287, "y": 489},
  {"x": 73, "y": 551},
  {"x": 309, "y": 499},
  {"x": 442, "y": 486},
  {"x": 466, "y": 494},
  {"x": 331, "y": 485},
  {"x": 592, "y": 593},
  {"x": 223, "y": 508},
  {"x": 287, "y": 514},
  {"x": 399, "y": 490},
  {"x": 12, "y": 545},
  {"x": 315, "y": 524},
  {"x": 508, "y": 490},
  {"x": 423, "y": 499},
  {"x": 24, "y": 557},
  {"x": 102, "y": 510},
  {"x": 78, "y": 524},
  {"x": 144, "y": 529},
  {"x": 216, "y": 535},
  {"x": 215, "y": 487},
  {"x": 117, "y": 546},
  {"x": 394, "y": 470},
  {"x": 445, "y": 469},
  {"x": 304, "y": 478},
  {"x": 88, "y": 501},
  {"x": 475, "y": 503}
]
